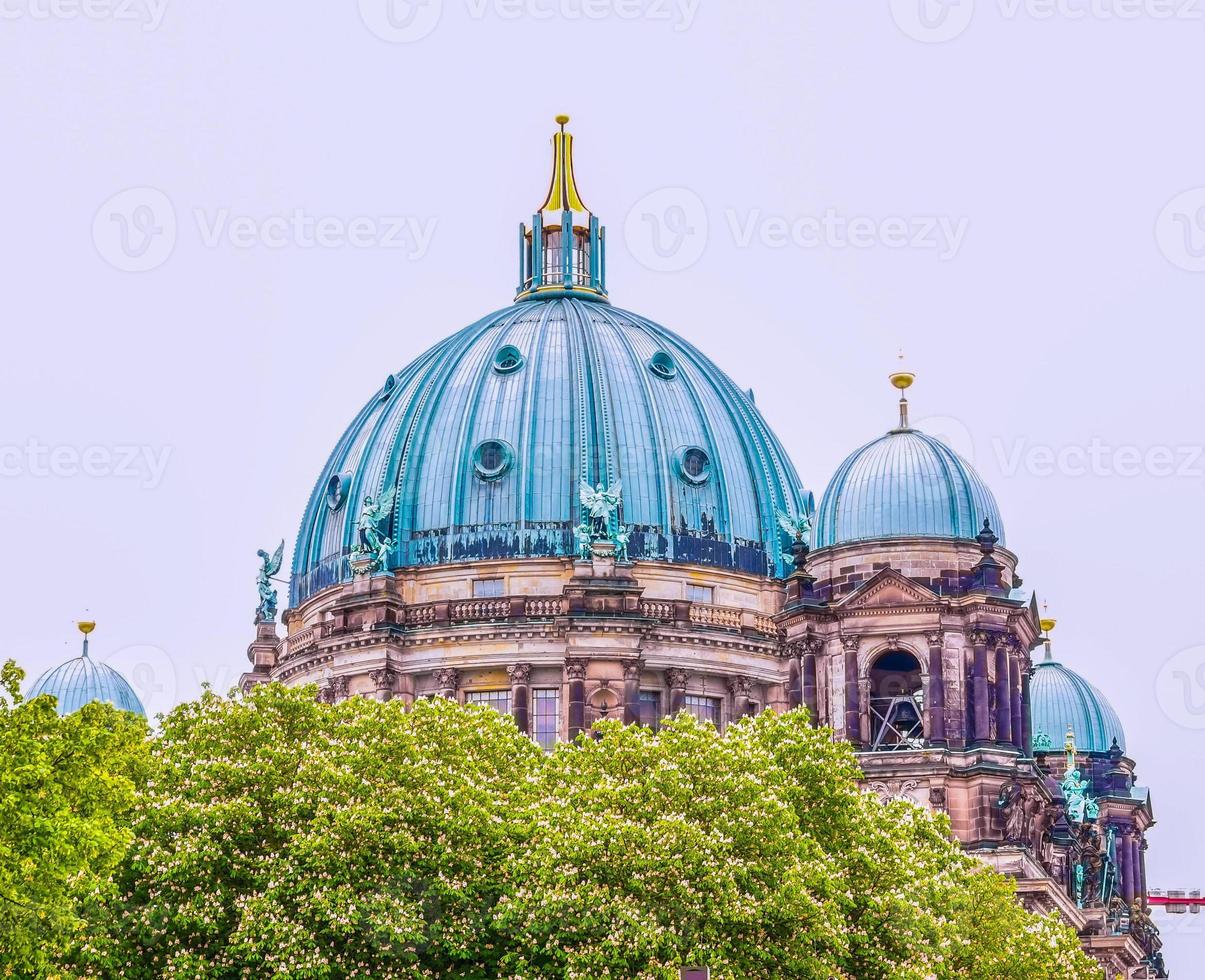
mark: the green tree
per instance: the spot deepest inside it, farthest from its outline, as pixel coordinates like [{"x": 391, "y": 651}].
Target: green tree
[
  {"x": 67, "y": 787},
  {"x": 283, "y": 838}
]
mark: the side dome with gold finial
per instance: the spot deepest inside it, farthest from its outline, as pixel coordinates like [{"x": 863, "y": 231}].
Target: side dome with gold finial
[
  {"x": 1062, "y": 700},
  {"x": 83, "y": 680},
  {"x": 905, "y": 484}
]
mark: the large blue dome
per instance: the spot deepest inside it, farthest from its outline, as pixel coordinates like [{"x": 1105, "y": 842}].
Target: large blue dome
[
  {"x": 485, "y": 439},
  {"x": 905, "y": 484},
  {"x": 1061, "y": 699},
  {"x": 81, "y": 681}
]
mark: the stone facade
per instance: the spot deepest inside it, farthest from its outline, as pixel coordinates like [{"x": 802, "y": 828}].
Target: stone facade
[{"x": 605, "y": 639}]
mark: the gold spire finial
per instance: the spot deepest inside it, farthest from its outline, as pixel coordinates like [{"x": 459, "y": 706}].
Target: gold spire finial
[
  {"x": 902, "y": 381},
  {"x": 86, "y": 626},
  {"x": 562, "y": 191}
]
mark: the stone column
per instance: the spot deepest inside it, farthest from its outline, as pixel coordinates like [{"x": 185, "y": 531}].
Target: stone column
[
  {"x": 1125, "y": 865},
  {"x": 1135, "y": 857},
  {"x": 1140, "y": 870},
  {"x": 1004, "y": 694},
  {"x": 631, "y": 691},
  {"x": 575, "y": 674},
  {"x": 384, "y": 680},
  {"x": 936, "y": 695},
  {"x": 808, "y": 682},
  {"x": 794, "y": 675},
  {"x": 1026, "y": 715},
  {"x": 447, "y": 679},
  {"x": 739, "y": 688},
  {"x": 853, "y": 707},
  {"x": 520, "y": 696},
  {"x": 675, "y": 677},
  {"x": 1014, "y": 685},
  {"x": 980, "y": 724}
]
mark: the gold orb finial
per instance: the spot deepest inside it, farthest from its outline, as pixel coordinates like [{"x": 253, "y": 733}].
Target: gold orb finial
[
  {"x": 1047, "y": 625},
  {"x": 902, "y": 379},
  {"x": 562, "y": 119},
  {"x": 86, "y": 626}
]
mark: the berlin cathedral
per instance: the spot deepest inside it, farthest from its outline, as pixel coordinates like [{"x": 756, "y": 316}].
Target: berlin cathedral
[{"x": 569, "y": 513}]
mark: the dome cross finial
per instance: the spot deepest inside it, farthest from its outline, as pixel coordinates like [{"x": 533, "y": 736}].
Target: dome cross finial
[
  {"x": 86, "y": 626},
  {"x": 902, "y": 380}
]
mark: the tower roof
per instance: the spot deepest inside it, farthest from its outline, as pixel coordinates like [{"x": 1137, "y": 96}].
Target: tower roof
[
  {"x": 82, "y": 680},
  {"x": 1062, "y": 699},
  {"x": 905, "y": 484},
  {"x": 484, "y": 441}
]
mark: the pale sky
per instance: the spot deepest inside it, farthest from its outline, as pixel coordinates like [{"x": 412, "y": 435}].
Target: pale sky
[{"x": 225, "y": 223}]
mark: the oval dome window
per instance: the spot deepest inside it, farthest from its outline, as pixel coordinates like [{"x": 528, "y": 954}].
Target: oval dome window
[
  {"x": 336, "y": 490},
  {"x": 492, "y": 458},
  {"x": 662, "y": 365},
  {"x": 694, "y": 465},
  {"x": 508, "y": 359}
]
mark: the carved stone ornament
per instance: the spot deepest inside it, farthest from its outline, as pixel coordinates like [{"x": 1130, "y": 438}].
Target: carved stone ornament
[
  {"x": 850, "y": 643},
  {"x": 519, "y": 673},
  {"x": 739, "y": 687},
  {"x": 632, "y": 669},
  {"x": 575, "y": 669},
  {"x": 675, "y": 677},
  {"x": 383, "y": 678},
  {"x": 447, "y": 679}
]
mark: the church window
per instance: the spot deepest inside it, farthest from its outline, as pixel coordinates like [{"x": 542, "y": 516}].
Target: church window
[
  {"x": 704, "y": 708},
  {"x": 498, "y": 700},
  {"x": 492, "y": 459},
  {"x": 649, "y": 709},
  {"x": 487, "y": 588},
  {"x": 546, "y": 716},
  {"x": 662, "y": 365},
  {"x": 700, "y": 593}
]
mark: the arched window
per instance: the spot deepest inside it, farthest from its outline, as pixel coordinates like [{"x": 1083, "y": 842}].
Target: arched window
[{"x": 896, "y": 702}]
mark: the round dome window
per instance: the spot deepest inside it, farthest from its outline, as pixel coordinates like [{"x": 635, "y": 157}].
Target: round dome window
[
  {"x": 662, "y": 365},
  {"x": 336, "y": 490},
  {"x": 492, "y": 458},
  {"x": 694, "y": 465},
  {"x": 508, "y": 359}
]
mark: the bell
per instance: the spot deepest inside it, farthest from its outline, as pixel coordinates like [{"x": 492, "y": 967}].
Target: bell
[{"x": 902, "y": 714}]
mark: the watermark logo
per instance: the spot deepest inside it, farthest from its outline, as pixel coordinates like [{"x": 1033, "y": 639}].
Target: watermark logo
[
  {"x": 932, "y": 21},
  {"x": 146, "y": 13},
  {"x": 950, "y": 431},
  {"x": 135, "y": 229},
  {"x": 1180, "y": 230},
  {"x": 666, "y": 231},
  {"x": 833, "y": 230},
  {"x": 1180, "y": 688},
  {"x": 1098, "y": 458},
  {"x": 401, "y": 21},
  {"x": 146, "y": 464}
]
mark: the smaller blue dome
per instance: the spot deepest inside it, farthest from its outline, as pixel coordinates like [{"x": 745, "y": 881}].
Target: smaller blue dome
[
  {"x": 1061, "y": 699},
  {"x": 905, "y": 484},
  {"x": 82, "y": 680}
]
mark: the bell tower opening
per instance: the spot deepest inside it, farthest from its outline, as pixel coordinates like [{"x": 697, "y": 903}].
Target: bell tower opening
[{"x": 896, "y": 702}]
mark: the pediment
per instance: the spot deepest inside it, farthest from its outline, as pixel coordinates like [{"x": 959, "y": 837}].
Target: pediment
[{"x": 888, "y": 588}]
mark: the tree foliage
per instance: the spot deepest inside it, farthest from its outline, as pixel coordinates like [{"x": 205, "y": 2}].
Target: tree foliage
[
  {"x": 283, "y": 838},
  {"x": 67, "y": 787}
]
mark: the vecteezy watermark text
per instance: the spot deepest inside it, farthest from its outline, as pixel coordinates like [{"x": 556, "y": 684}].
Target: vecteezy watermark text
[
  {"x": 407, "y": 21},
  {"x": 136, "y": 230},
  {"x": 146, "y": 13},
  {"x": 935, "y": 21},
  {"x": 1099, "y": 459},
  {"x": 146, "y": 464}
]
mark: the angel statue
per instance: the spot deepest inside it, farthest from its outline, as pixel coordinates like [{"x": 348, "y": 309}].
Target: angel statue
[
  {"x": 265, "y": 612},
  {"x": 600, "y": 504},
  {"x": 798, "y": 528},
  {"x": 374, "y": 528},
  {"x": 584, "y": 540},
  {"x": 622, "y": 536}
]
